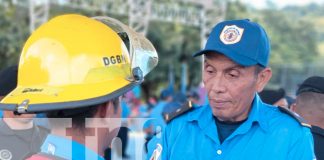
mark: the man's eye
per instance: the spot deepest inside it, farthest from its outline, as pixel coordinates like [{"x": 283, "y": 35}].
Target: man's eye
[
  {"x": 233, "y": 74},
  {"x": 209, "y": 69}
]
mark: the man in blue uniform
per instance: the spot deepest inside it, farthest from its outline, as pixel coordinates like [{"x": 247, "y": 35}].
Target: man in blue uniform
[{"x": 236, "y": 124}]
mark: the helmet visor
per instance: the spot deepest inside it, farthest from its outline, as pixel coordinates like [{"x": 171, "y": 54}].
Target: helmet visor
[{"x": 142, "y": 54}]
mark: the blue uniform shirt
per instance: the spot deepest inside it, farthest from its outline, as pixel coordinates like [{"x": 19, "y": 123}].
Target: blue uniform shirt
[
  {"x": 125, "y": 109},
  {"x": 156, "y": 115},
  {"x": 267, "y": 134},
  {"x": 67, "y": 149}
]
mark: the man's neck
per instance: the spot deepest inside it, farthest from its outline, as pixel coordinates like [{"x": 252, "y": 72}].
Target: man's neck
[
  {"x": 312, "y": 119},
  {"x": 88, "y": 138},
  {"x": 317, "y": 123},
  {"x": 240, "y": 117}
]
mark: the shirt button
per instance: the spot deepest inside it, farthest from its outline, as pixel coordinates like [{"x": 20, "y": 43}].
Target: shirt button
[{"x": 219, "y": 152}]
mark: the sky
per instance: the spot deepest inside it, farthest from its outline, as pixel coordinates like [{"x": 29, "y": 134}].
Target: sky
[{"x": 280, "y": 3}]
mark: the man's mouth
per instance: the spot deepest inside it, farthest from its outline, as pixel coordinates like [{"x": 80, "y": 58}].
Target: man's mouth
[{"x": 218, "y": 103}]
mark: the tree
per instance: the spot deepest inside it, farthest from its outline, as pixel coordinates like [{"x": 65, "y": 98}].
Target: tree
[
  {"x": 292, "y": 41},
  {"x": 236, "y": 10},
  {"x": 13, "y": 33},
  {"x": 174, "y": 43}
]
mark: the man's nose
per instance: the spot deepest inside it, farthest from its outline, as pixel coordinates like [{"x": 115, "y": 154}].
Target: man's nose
[{"x": 218, "y": 84}]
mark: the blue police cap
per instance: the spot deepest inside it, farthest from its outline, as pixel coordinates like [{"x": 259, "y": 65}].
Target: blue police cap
[
  {"x": 166, "y": 93},
  {"x": 243, "y": 41}
]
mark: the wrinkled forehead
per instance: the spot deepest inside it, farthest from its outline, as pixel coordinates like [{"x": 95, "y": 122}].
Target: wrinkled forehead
[
  {"x": 221, "y": 62},
  {"x": 218, "y": 58}
]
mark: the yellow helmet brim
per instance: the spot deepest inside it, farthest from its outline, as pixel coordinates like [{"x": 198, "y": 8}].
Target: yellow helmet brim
[{"x": 42, "y": 98}]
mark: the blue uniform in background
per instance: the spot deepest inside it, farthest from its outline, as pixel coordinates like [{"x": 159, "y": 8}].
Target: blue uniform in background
[
  {"x": 157, "y": 117},
  {"x": 61, "y": 148},
  {"x": 267, "y": 134},
  {"x": 125, "y": 109}
]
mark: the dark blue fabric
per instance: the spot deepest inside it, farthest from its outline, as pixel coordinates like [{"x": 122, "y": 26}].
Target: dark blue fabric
[{"x": 225, "y": 129}]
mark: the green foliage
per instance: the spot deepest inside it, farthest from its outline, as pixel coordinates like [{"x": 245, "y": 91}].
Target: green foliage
[
  {"x": 292, "y": 41},
  {"x": 294, "y": 37},
  {"x": 236, "y": 10},
  {"x": 175, "y": 43},
  {"x": 13, "y": 33},
  {"x": 313, "y": 13}
]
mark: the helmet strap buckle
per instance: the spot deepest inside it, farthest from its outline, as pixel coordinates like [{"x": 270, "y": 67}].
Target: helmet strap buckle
[{"x": 22, "y": 108}]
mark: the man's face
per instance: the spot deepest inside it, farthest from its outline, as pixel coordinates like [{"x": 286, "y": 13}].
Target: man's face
[
  {"x": 230, "y": 87},
  {"x": 112, "y": 123}
]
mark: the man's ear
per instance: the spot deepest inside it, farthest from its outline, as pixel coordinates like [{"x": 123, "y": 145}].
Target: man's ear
[
  {"x": 263, "y": 78},
  {"x": 107, "y": 110},
  {"x": 102, "y": 110}
]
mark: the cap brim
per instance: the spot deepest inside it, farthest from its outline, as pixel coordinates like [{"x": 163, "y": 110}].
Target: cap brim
[
  {"x": 68, "y": 97},
  {"x": 237, "y": 58}
]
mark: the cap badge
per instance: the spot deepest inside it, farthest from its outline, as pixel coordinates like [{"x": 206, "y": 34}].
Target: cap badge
[{"x": 231, "y": 34}]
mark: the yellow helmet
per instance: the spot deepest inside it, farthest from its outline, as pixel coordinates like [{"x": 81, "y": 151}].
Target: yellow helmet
[{"x": 74, "y": 61}]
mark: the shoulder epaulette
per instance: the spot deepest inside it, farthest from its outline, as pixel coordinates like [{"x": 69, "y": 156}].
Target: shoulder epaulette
[
  {"x": 294, "y": 115},
  {"x": 187, "y": 106}
]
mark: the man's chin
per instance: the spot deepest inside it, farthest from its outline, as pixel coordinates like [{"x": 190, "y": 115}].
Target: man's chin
[
  {"x": 220, "y": 115},
  {"x": 24, "y": 120}
]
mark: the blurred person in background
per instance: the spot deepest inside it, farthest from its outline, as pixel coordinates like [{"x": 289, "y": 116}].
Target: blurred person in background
[
  {"x": 135, "y": 105},
  {"x": 151, "y": 102},
  {"x": 123, "y": 131},
  {"x": 310, "y": 106},
  {"x": 274, "y": 97},
  {"x": 290, "y": 101},
  {"x": 194, "y": 97},
  {"x": 177, "y": 101},
  {"x": 19, "y": 136},
  {"x": 158, "y": 122}
]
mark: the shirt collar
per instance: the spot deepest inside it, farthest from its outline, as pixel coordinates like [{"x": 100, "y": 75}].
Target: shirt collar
[
  {"x": 256, "y": 114},
  {"x": 62, "y": 147},
  {"x": 204, "y": 116},
  {"x": 205, "y": 121}
]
